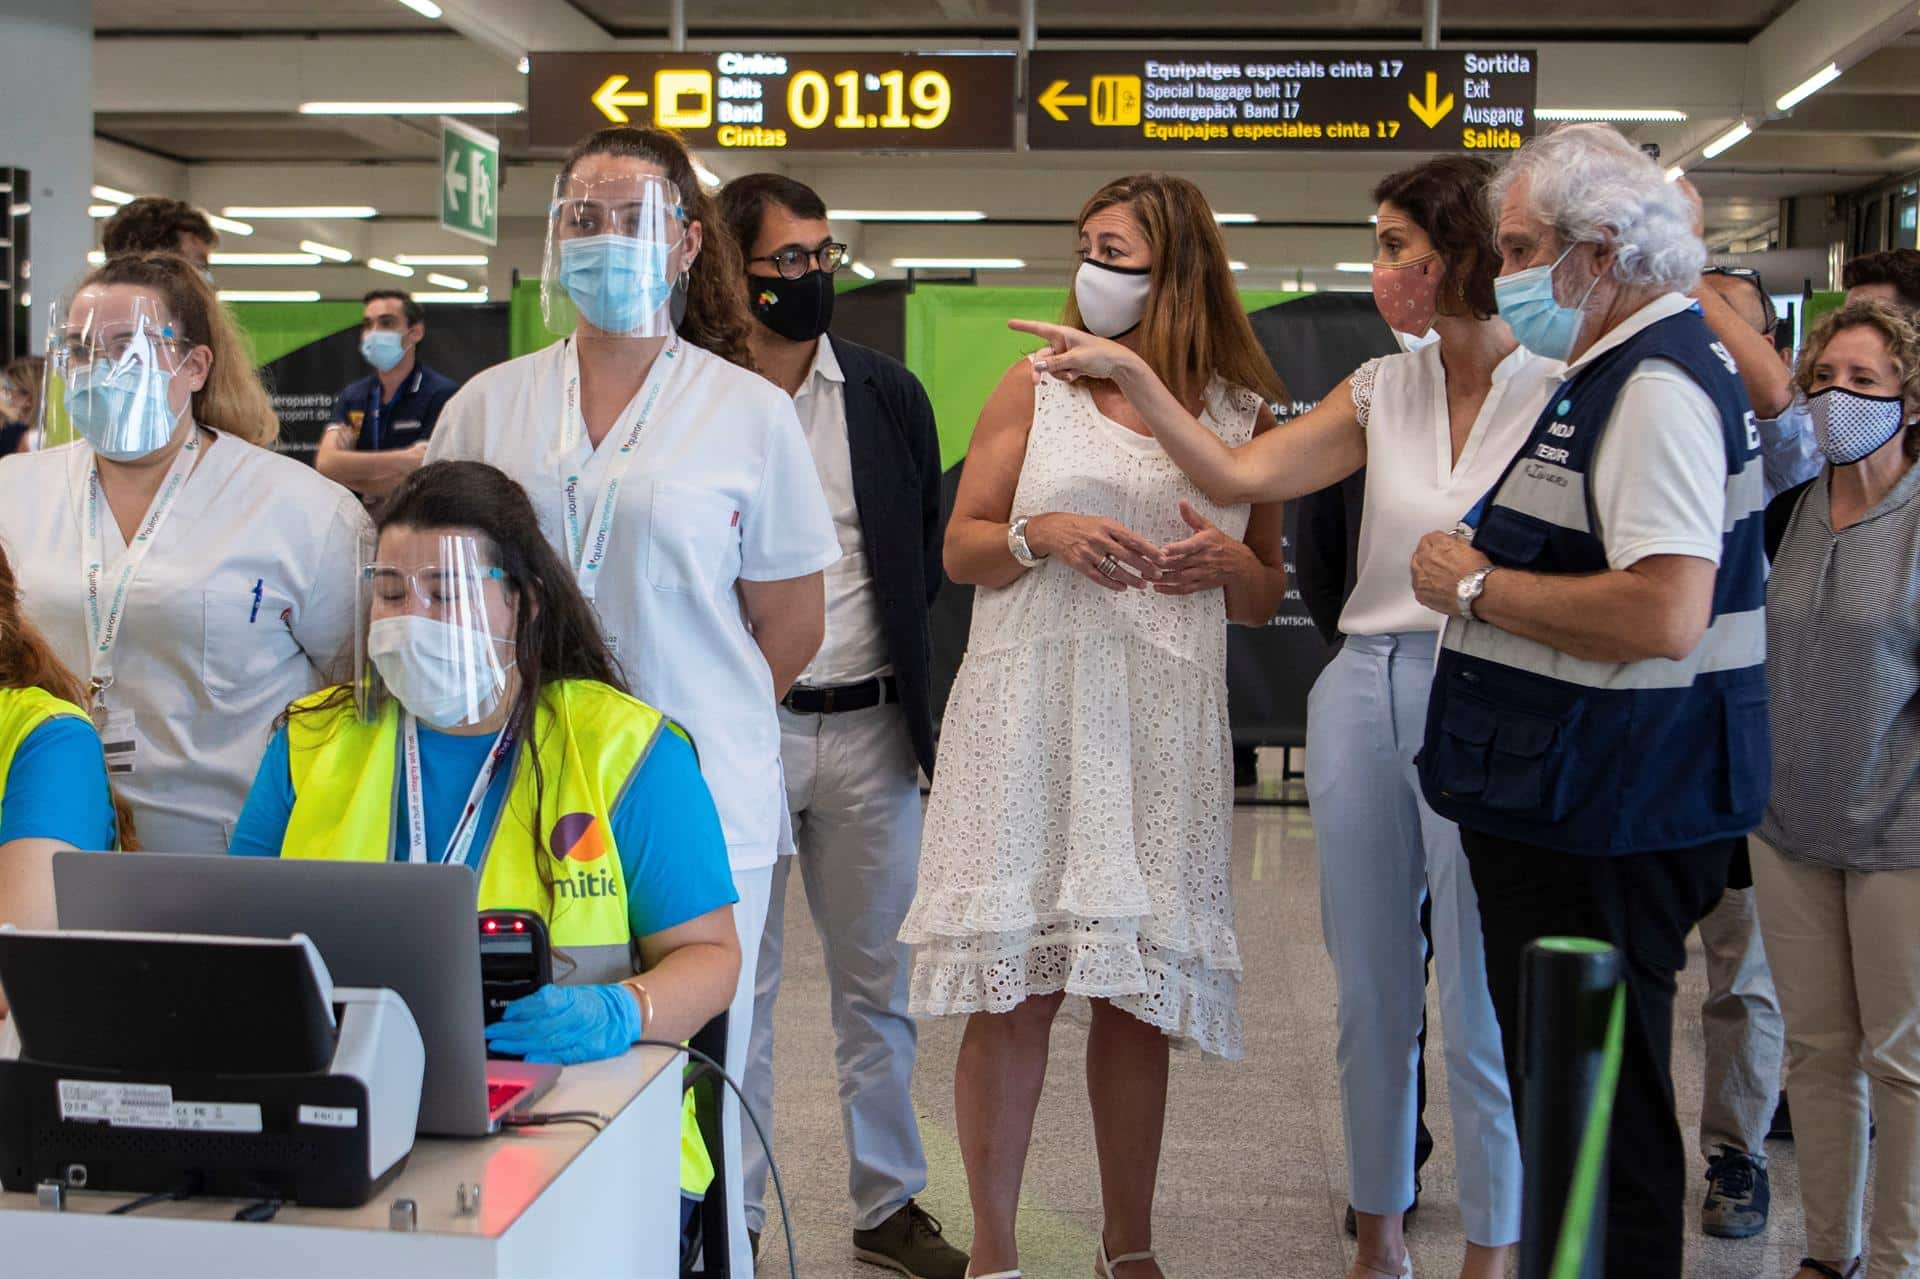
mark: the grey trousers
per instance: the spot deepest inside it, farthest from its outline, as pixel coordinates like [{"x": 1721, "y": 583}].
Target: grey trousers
[
  {"x": 854, "y": 790},
  {"x": 1740, "y": 1023}
]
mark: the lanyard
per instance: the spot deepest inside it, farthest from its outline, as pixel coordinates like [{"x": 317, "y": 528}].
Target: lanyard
[
  {"x": 460, "y": 847},
  {"x": 104, "y": 628},
  {"x": 588, "y": 548}
]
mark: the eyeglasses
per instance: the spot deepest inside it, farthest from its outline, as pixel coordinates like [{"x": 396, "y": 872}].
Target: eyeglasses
[
  {"x": 1752, "y": 277},
  {"x": 644, "y": 219},
  {"x": 79, "y": 350},
  {"x": 434, "y": 587},
  {"x": 793, "y": 262}
]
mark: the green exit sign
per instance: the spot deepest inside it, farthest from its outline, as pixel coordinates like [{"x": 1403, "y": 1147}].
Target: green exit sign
[{"x": 469, "y": 181}]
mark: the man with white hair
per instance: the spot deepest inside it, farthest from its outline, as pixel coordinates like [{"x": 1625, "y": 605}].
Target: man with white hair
[{"x": 1598, "y": 724}]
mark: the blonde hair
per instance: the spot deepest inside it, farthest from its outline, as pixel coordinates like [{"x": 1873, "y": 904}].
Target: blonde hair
[
  {"x": 233, "y": 401},
  {"x": 1903, "y": 347},
  {"x": 1194, "y": 328}
]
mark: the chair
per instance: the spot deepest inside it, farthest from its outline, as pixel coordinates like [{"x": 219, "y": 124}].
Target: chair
[{"x": 710, "y": 1219}]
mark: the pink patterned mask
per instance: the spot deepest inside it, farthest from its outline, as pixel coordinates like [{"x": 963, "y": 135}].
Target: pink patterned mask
[{"x": 1408, "y": 293}]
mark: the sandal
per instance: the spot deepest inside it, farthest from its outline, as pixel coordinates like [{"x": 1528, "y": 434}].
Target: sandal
[
  {"x": 1828, "y": 1272},
  {"x": 1103, "y": 1264},
  {"x": 1404, "y": 1272}
]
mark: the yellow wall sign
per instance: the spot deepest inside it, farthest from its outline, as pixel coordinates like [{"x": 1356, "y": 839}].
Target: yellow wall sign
[{"x": 776, "y": 101}]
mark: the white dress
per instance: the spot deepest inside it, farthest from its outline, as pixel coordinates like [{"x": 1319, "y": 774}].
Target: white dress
[{"x": 1080, "y": 829}]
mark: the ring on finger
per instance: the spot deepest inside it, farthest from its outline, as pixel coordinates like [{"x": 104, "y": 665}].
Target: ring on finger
[{"x": 1109, "y": 567}]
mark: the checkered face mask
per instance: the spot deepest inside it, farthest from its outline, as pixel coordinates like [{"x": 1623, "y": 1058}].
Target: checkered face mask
[{"x": 1849, "y": 426}]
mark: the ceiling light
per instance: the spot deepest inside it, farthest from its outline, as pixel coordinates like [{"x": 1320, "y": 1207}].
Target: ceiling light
[
  {"x": 1238, "y": 218},
  {"x": 1613, "y": 115},
  {"x": 96, "y": 257},
  {"x": 317, "y": 211},
  {"x": 112, "y": 195},
  {"x": 430, "y": 298},
  {"x": 523, "y": 66},
  {"x": 1354, "y": 268},
  {"x": 959, "y": 264},
  {"x": 862, "y": 270},
  {"x": 1726, "y": 141},
  {"x": 425, "y": 8},
  {"x": 1675, "y": 173},
  {"x": 391, "y": 268},
  {"x": 446, "y": 281},
  {"x": 229, "y": 225},
  {"x": 326, "y": 251},
  {"x": 441, "y": 259},
  {"x": 708, "y": 178},
  {"x": 269, "y": 295},
  {"x": 102, "y": 210},
  {"x": 410, "y": 108},
  {"x": 905, "y": 215},
  {"x": 1807, "y": 88},
  {"x": 263, "y": 259},
  {"x": 1236, "y": 266}
]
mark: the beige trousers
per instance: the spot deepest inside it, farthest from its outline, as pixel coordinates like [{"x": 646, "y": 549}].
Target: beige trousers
[{"x": 1845, "y": 951}]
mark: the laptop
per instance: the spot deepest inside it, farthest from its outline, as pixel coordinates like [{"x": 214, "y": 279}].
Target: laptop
[{"x": 408, "y": 928}]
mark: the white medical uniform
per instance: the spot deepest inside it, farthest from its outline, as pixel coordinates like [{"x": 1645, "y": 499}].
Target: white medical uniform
[
  {"x": 203, "y": 669},
  {"x": 721, "y": 488}
]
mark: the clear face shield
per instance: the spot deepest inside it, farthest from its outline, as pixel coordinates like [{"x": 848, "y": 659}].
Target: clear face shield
[
  {"x": 616, "y": 257},
  {"x": 112, "y": 357},
  {"x": 437, "y": 626}
]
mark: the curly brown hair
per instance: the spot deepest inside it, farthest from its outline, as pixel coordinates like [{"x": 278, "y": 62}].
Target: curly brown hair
[
  {"x": 154, "y": 224},
  {"x": 717, "y": 318},
  {"x": 1902, "y": 336}
]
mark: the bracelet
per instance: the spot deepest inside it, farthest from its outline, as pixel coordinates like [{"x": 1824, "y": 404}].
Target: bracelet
[{"x": 646, "y": 1002}]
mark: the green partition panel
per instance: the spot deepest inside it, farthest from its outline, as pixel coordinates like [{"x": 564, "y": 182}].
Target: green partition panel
[
  {"x": 273, "y": 329},
  {"x": 1817, "y": 307},
  {"x": 959, "y": 345},
  {"x": 526, "y": 330}
]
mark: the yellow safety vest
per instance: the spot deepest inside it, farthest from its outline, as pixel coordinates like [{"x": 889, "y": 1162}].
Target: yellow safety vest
[
  {"x": 553, "y": 853},
  {"x": 22, "y": 710}
]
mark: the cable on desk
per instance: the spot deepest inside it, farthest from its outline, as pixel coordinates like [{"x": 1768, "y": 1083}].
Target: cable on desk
[
  {"x": 540, "y": 1119},
  {"x": 185, "y": 1190},
  {"x": 264, "y": 1210},
  {"x": 779, "y": 1189}
]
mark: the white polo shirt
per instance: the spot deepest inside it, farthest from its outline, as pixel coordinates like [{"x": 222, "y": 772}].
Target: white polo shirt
[
  {"x": 721, "y": 489},
  {"x": 203, "y": 665}
]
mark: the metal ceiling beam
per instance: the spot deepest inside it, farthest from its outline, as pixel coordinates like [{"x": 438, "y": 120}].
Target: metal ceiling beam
[
  {"x": 514, "y": 28},
  {"x": 1811, "y": 34}
]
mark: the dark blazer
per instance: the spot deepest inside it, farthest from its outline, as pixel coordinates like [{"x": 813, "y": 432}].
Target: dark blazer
[{"x": 895, "y": 448}]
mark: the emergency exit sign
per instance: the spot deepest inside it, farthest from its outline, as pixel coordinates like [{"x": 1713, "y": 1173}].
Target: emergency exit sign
[{"x": 469, "y": 181}]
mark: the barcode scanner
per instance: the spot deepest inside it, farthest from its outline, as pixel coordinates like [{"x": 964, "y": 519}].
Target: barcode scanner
[{"x": 515, "y": 959}]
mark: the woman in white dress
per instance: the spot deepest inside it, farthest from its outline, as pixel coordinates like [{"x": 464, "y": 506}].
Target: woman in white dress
[{"x": 1079, "y": 835}]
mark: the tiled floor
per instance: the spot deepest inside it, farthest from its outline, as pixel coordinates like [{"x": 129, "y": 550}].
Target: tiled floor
[{"x": 1254, "y": 1176}]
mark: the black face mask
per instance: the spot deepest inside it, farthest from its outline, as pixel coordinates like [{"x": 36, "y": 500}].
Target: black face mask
[{"x": 798, "y": 310}]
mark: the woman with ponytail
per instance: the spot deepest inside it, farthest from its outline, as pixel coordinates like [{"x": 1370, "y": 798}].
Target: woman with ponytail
[
  {"x": 677, "y": 487},
  {"x": 193, "y": 579},
  {"x": 53, "y": 778}
]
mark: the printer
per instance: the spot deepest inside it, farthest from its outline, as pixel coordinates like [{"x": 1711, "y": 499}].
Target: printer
[{"x": 151, "y": 1063}]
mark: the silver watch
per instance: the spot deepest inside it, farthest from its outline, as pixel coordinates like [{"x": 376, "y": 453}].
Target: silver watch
[
  {"x": 1017, "y": 543},
  {"x": 1469, "y": 590}
]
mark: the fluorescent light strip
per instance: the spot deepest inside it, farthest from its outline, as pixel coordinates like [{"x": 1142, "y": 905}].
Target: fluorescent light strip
[
  {"x": 96, "y": 257},
  {"x": 1354, "y": 268},
  {"x": 1807, "y": 88},
  {"x": 1238, "y": 219},
  {"x": 229, "y": 225},
  {"x": 263, "y": 259},
  {"x": 959, "y": 264},
  {"x": 1727, "y": 141},
  {"x": 327, "y": 251},
  {"x": 431, "y": 298},
  {"x": 21, "y": 210},
  {"x": 425, "y": 8},
  {"x": 409, "y": 108},
  {"x": 446, "y": 281},
  {"x": 1613, "y": 115},
  {"x": 1236, "y": 266},
  {"x": 524, "y": 66},
  {"x": 905, "y": 215},
  {"x": 102, "y": 210},
  {"x": 111, "y": 195},
  {"x": 862, "y": 270},
  {"x": 1675, "y": 173},
  {"x": 708, "y": 177},
  {"x": 391, "y": 268},
  {"x": 320, "y": 212},
  {"x": 269, "y": 295},
  {"x": 440, "y": 259}
]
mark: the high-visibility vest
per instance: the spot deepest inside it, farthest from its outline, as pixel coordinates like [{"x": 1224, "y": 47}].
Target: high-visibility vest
[
  {"x": 22, "y": 710},
  {"x": 551, "y": 849}
]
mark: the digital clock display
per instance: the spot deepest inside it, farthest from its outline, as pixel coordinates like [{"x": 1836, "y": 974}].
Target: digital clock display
[{"x": 781, "y": 102}]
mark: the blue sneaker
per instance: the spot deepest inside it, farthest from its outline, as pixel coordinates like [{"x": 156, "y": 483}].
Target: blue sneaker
[{"x": 1737, "y": 1196}]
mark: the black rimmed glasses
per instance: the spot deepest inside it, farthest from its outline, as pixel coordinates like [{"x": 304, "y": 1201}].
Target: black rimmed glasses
[{"x": 793, "y": 261}]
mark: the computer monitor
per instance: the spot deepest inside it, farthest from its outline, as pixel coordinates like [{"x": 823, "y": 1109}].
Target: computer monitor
[{"x": 408, "y": 928}]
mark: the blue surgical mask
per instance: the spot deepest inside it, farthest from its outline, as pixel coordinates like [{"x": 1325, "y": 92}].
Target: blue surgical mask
[
  {"x": 122, "y": 410},
  {"x": 1539, "y": 323},
  {"x": 383, "y": 348},
  {"x": 619, "y": 283}
]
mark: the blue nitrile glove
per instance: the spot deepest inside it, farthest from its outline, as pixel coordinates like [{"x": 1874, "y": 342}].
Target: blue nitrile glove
[{"x": 568, "y": 1024}]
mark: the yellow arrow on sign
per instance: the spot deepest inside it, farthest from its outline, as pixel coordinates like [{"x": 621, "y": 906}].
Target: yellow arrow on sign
[
  {"x": 609, "y": 99},
  {"x": 1057, "y": 97},
  {"x": 1430, "y": 112}
]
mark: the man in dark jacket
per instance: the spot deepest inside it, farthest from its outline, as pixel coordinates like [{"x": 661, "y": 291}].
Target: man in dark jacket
[{"x": 857, "y": 729}]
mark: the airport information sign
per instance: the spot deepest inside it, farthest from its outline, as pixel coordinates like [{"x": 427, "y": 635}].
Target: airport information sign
[
  {"x": 1282, "y": 100},
  {"x": 800, "y": 101}
]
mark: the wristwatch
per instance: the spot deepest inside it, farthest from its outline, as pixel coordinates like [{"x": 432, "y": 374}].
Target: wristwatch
[
  {"x": 1469, "y": 590},
  {"x": 1017, "y": 543}
]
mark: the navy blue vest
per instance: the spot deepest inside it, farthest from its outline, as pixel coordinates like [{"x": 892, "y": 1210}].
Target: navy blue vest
[{"x": 1530, "y": 744}]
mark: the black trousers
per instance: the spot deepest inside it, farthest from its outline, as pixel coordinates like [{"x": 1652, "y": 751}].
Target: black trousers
[{"x": 1644, "y": 904}]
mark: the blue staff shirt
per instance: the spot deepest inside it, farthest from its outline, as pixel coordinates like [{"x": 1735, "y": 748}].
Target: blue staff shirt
[
  {"x": 380, "y": 425},
  {"x": 672, "y": 853},
  {"x": 57, "y": 787}
]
